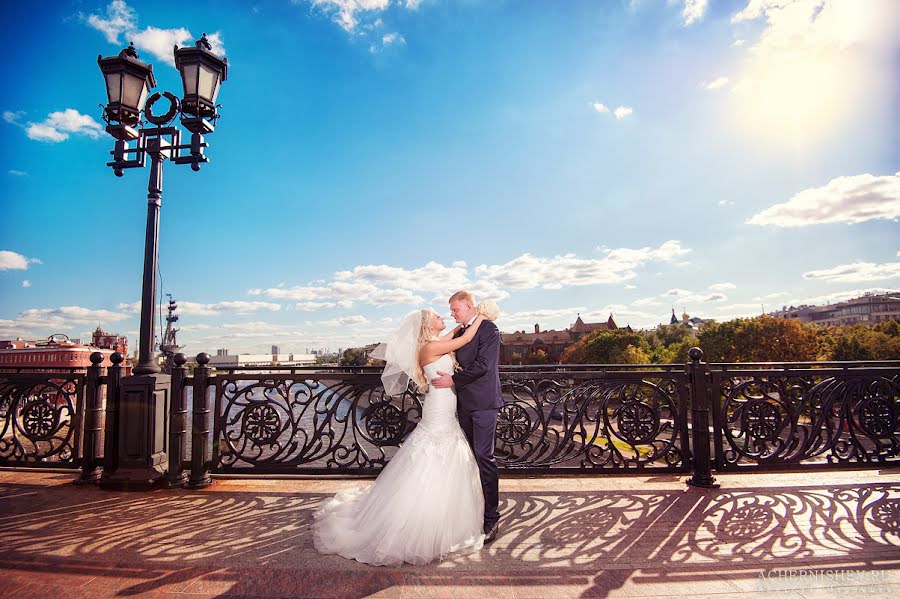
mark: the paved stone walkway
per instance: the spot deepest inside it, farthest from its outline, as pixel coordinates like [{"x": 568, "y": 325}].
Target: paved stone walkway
[{"x": 810, "y": 535}]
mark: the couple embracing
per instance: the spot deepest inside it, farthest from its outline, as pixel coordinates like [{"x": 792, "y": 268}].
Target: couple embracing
[{"x": 438, "y": 496}]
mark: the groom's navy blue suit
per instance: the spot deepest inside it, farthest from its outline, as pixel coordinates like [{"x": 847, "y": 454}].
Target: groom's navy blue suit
[{"x": 478, "y": 401}]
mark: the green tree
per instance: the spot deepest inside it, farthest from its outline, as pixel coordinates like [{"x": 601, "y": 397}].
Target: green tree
[
  {"x": 537, "y": 357},
  {"x": 353, "y": 356},
  {"x": 760, "y": 339},
  {"x": 670, "y": 343},
  {"x": 858, "y": 342},
  {"x": 609, "y": 347}
]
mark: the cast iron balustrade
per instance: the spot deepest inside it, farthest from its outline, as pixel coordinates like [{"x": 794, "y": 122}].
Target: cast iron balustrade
[{"x": 694, "y": 418}]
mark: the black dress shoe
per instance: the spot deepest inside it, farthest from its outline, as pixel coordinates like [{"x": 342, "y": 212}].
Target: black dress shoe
[{"x": 490, "y": 531}]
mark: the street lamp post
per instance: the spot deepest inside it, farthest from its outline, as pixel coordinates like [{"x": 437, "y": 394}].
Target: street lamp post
[{"x": 145, "y": 395}]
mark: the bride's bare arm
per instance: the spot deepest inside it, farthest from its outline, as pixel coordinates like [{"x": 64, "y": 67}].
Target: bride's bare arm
[
  {"x": 451, "y": 333},
  {"x": 447, "y": 344}
]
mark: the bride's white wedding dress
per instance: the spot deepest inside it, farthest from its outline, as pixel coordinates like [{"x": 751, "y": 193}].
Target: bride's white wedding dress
[{"x": 426, "y": 504}]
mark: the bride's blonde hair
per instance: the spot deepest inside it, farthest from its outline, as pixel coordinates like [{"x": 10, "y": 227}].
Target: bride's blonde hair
[{"x": 426, "y": 335}]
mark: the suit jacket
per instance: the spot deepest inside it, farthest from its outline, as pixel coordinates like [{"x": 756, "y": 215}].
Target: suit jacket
[{"x": 478, "y": 381}]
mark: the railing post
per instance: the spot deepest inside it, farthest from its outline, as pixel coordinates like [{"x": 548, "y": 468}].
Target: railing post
[
  {"x": 91, "y": 466},
  {"x": 177, "y": 475},
  {"x": 111, "y": 426},
  {"x": 701, "y": 466},
  {"x": 200, "y": 426}
]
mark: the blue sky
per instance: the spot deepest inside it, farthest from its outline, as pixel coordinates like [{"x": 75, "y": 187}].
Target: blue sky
[{"x": 374, "y": 156}]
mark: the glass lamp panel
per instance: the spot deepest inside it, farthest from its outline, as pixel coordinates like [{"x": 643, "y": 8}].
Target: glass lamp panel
[
  {"x": 208, "y": 83},
  {"x": 189, "y": 77},
  {"x": 133, "y": 89},
  {"x": 143, "y": 98},
  {"x": 113, "y": 86}
]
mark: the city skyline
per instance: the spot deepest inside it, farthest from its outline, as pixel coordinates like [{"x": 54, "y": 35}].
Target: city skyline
[{"x": 724, "y": 158}]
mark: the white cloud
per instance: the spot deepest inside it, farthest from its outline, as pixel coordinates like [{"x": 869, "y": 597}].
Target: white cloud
[
  {"x": 15, "y": 261},
  {"x": 433, "y": 276},
  {"x": 346, "y": 321},
  {"x": 58, "y": 125},
  {"x": 725, "y": 203},
  {"x": 856, "y": 272},
  {"x": 388, "y": 39},
  {"x": 212, "y": 309},
  {"x": 852, "y": 199},
  {"x": 722, "y": 286},
  {"x": 738, "y": 43},
  {"x": 837, "y": 296},
  {"x": 313, "y": 306},
  {"x": 528, "y": 272},
  {"x": 810, "y": 24},
  {"x": 13, "y": 117},
  {"x": 160, "y": 42},
  {"x": 16, "y": 173},
  {"x": 693, "y": 11},
  {"x": 121, "y": 20},
  {"x": 346, "y": 13},
  {"x": 685, "y": 296},
  {"x": 771, "y": 296},
  {"x": 717, "y": 83},
  {"x": 381, "y": 285},
  {"x": 646, "y": 301},
  {"x": 620, "y": 112},
  {"x": 26, "y": 283},
  {"x": 50, "y": 320}
]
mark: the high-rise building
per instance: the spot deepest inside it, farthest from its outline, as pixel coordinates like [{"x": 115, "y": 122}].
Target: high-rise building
[
  {"x": 222, "y": 352},
  {"x": 276, "y": 350}
]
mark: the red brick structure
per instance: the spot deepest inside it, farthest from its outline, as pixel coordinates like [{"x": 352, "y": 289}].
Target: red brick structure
[
  {"x": 552, "y": 342},
  {"x": 58, "y": 351}
]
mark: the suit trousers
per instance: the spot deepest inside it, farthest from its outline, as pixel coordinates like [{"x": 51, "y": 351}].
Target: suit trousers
[{"x": 480, "y": 428}]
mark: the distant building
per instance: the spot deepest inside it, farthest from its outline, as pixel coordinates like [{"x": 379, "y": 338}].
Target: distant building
[
  {"x": 551, "y": 341},
  {"x": 262, "y": 360},
  {"x": 221, "y": 352},
  {"x": 113, "y": 341},
  {"x": 691, "y": 322},
  {"x": 276, "y": 350},
  {"x": 868, "y": 310}
]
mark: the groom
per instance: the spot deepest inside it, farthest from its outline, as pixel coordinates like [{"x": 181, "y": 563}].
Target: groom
[{"x": 478, "y": 399}]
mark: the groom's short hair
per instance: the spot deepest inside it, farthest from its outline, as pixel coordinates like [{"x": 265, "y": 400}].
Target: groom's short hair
[{"x": 462, "y": 295}]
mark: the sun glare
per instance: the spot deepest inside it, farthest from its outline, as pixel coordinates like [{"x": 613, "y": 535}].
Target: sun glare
[{"x": 797, "y": 98}]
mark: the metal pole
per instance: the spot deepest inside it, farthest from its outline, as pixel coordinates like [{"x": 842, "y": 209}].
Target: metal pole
[
  {"x": 146, "y": 360},
  {"x": 111, "y": 425},
  {"x": 200, "y": 426},
  {"x": 91, "y": 463},
  {"x": 177, "y": 475},
  {"x": 701, "y": 467}
]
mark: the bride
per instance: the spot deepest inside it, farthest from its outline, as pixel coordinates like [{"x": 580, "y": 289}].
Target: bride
[{"x": 427, "y": 503}]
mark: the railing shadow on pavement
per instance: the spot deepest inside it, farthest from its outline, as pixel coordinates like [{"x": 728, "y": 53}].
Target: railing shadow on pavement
[{"x": 247, "y": 542}]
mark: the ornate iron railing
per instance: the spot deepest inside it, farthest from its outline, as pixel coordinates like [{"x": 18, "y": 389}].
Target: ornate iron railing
[
  {"x": 817, "y": 414},
  {"x": 585, "y": 418},
  {"x": 339, "y": 422},
  {"x": 41, "y": 418}
]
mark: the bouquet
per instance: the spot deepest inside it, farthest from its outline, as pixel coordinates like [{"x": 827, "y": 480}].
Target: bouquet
[{"x": 488, "y": 309}]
